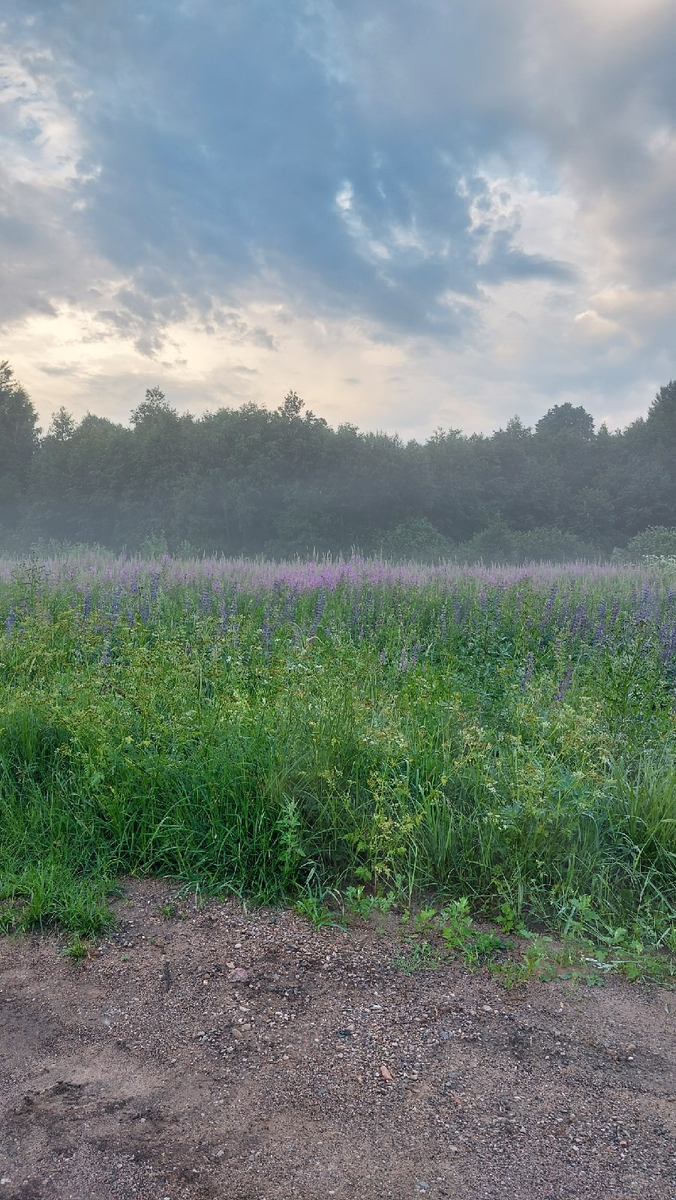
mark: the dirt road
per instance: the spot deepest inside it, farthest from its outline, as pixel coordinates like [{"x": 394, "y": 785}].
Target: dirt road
[{"x": 154, "y": 1070}]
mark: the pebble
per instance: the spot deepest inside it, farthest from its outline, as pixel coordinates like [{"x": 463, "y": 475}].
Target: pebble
[{"x": 239, "y": 975}]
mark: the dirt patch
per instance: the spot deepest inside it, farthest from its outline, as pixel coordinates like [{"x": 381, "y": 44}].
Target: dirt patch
[{"x": 146, "y": 1071}]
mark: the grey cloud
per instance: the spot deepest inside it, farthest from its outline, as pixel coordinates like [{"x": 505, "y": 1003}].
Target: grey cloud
[
  {"x": 52, "y": 370},
  {"x": 215, "y": 143},
  {"x": 331, "y": 156}
]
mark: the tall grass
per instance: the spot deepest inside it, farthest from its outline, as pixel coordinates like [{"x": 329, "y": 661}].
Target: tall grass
[{"x": 508, "y": 737}]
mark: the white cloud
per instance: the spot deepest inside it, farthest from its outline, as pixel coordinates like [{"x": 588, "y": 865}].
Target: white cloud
[{"x": 468, "y": 210}]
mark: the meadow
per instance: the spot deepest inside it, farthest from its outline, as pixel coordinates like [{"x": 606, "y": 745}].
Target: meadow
[{"x": 293, "y": 730}]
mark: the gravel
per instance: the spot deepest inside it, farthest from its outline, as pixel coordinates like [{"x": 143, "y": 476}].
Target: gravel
[{"x": 217, "y": 1053}]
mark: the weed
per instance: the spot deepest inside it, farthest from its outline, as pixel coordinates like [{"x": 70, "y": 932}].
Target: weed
[
  {"x": 417, "y": 956},
  {"x": 316, "y": 912},
  {"x": 77, "y": 949},
  {"x": 457, "y": 924},
  {"x": 361, "y": 905},
  {"x": 510, "y": 921},
  {"x": 483, "y": 948}
]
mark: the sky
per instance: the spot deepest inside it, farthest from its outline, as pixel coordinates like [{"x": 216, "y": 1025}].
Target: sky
[{"x": 415, "y": 213}]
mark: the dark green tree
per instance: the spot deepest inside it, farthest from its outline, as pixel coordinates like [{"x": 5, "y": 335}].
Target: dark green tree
[
  {"x": 565, "y": 417},
  {"x": 19, "y": 440},
  {"x": 62, "y": 426},
  {"x": 292, "y": 406}
]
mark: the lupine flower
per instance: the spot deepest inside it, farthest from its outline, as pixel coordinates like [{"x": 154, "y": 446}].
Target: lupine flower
[
  {"x": 115, "y": 606},
  {"x": 266, "y": 631},
  {"x": 564, "y": 684},
  {"x": 579, "y": 618},
  {"x": 319, "y": 610},
  {"x": 528, "y": 671},
  {"x": 222, "y": 617},
  {"x": 550, "y": 603},
  {"x": 669, "y": 647},
  {"x": 10, "y": 622}
]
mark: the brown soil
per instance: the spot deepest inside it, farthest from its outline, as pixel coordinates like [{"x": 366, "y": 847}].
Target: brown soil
[{"x": 145, "y": 1072}]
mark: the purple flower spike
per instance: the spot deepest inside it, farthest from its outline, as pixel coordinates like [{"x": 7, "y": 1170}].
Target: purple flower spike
[
  {"x": 564, "y": 684},
  {"x": 528, "y": 671}
]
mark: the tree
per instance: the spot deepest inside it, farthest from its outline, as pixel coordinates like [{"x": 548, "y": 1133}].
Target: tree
[
  {"x": 565, "y": 417},
  {"x": 155, "y": 405},
  {"x": 19, "y": 436},
  {"x": 661, "y": 419},
  {"x": 292, "y": 406},
  {"x": 62, "y": 426}
]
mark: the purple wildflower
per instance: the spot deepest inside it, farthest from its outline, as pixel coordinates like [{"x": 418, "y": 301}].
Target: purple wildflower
[
  {"x": 320, "y": 602},
  {"x": 579, "y": 619},
  {"x": 549, "y": 606},
  {"x": 266, "y": 631},
  {"x": 115, "y": 606},
  {"x": 528, "y": 671},
  {"x": 564, "y": 684}
]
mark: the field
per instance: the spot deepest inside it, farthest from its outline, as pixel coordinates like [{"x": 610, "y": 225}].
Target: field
[{"x": 304, "y": 731}]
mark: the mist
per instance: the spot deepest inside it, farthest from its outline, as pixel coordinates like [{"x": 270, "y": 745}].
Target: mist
[{"x": 282, "y": 483}]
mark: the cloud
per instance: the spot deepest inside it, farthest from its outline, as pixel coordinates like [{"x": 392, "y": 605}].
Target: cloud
[{"x": 466, "y": 185}]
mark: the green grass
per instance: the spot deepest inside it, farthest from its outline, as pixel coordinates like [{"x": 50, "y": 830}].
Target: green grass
[{"x": 377, "y": 741}]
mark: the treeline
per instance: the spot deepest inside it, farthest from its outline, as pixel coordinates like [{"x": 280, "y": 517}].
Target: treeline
[{"x": 252, "y": 481}]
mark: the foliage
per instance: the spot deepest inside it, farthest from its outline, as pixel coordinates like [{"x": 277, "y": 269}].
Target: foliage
[
  {"x": 502, "y": 740},
  {"x": 283, "y": 482},
  {"x": 655, "y": 542}
]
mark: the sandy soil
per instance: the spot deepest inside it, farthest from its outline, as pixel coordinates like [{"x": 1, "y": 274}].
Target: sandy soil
[{"x": 146, "y": 1071}]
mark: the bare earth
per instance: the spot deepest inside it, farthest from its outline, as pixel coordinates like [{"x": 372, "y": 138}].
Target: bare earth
[{"x": 145, "y": 1072}]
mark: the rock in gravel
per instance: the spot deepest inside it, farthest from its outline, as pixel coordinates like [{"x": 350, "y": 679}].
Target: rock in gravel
[{"x": 239, "y": 975}]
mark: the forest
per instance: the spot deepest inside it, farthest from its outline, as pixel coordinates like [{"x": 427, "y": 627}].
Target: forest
[{"x": 280, "y": 483}]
